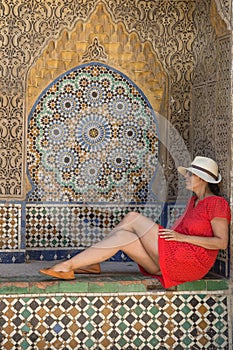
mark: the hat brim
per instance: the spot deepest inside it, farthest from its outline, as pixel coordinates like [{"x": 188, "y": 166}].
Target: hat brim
[{"x": 182, "y": 170}]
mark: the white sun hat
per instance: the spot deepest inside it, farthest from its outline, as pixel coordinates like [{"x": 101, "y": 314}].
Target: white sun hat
[{"x": 205, "y": 168}]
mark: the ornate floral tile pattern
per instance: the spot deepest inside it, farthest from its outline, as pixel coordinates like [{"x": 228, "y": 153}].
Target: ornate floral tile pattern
[
  {"x": 92, "y": 144},
  {"x": 92, "y": 137},
  {"x": 143, "y": 322}
]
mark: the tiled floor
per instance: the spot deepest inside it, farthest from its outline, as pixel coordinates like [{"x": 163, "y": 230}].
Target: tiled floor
[
  {"x": 115, "y": 277},
  {"x": 31, "y": 269}
]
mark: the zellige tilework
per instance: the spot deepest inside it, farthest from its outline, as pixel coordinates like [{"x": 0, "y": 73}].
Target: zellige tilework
[
  {"x": 90, "y": 134},
  {"x": 75, "y": 226},
  {"x": 142, "y": 322},
  {"x": 10, "y": 226}
]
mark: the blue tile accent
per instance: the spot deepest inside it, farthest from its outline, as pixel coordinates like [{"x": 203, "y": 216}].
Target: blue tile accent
[
  {"x": 12, "y": 257},
  {"x": 54, "y": 254}
]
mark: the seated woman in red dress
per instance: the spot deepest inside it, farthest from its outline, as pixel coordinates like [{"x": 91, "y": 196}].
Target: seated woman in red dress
[{"x": 185, "y": 252}]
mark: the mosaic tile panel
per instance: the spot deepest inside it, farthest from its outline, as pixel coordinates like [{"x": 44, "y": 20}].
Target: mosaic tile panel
[
  {"x": 72, "y": 226},
  {"x": 54, "y": 254},
  {"x": 143, "y": 322},
  {"x": 91, "y": 133},
  {"x": 10, "y": 226}
]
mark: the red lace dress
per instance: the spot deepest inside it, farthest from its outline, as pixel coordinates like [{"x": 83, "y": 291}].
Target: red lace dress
[{"x": 183, "y": 262}]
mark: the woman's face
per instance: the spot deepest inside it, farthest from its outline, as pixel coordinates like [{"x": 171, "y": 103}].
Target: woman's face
[{"x": 193, "y": 182}]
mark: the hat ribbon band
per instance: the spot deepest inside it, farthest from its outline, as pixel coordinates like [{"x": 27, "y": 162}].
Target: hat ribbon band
[{"x": 205, "y": 171}]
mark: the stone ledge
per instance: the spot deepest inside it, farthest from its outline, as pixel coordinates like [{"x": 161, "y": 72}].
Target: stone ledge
[
  {"x": 116, "y": 277},
  {"x": 209, "y": 284}
]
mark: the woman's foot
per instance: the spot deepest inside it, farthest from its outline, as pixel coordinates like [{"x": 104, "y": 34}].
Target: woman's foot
[{"x": 61, "y": 271}]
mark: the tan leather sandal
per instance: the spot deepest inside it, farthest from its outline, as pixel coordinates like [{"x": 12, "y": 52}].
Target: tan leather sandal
[
  {"x": 58, "y": 274},
  {"x": 92, "y": 269}
]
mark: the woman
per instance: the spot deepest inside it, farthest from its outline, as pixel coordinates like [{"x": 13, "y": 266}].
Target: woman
[{"x": 186, "y": 252}]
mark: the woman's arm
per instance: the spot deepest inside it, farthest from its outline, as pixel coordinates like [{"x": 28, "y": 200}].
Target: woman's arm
[{"x": 218, "y": 241}]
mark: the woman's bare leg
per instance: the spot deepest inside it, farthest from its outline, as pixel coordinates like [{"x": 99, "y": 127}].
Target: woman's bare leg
[
  {"x": 136, "y": 235},
  {"x": 143, "y": 229}
]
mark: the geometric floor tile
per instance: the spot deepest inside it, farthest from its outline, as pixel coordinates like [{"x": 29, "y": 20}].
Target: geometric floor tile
[{"x": 144, "y": 322}]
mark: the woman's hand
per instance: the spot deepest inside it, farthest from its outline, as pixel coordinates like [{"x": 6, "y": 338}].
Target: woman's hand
[
  {"x": 170, "y": 235},
  {"x": 219, "y": 240}
]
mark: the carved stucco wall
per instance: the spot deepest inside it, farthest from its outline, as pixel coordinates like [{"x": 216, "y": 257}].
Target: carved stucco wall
[
  {"x": 224, "y": 8},
  {"x": 100, "y": 39},
  {"x": 27, "y": 28},
  {"x": 211, "y": 98},
  {"x": 211, "y": 94}
]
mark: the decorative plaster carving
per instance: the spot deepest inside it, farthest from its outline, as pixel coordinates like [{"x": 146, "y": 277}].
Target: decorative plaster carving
[
  {"x": 225, "y": 11},
  {"x": 95, "y": 52}
]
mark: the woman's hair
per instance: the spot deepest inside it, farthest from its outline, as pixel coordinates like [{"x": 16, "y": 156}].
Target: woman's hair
[{"x": 214, "y": 188}]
